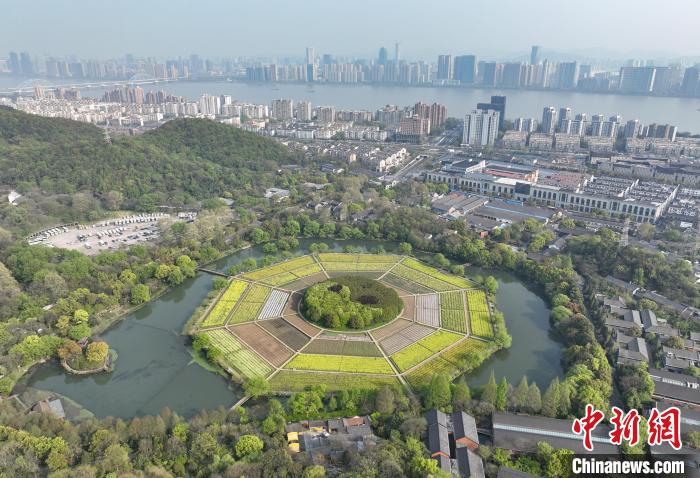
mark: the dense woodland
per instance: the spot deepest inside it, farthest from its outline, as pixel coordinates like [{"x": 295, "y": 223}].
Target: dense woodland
[{"x": 68, "y": 171}]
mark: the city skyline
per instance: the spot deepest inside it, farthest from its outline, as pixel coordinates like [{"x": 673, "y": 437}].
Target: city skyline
[{"x": 465, "y": 29}]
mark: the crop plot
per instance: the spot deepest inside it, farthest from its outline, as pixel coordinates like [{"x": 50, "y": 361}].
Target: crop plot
[
  {"x": 428, "y": 310},
  {"x": 459, "y": 359},
  {"x": 291, "y": 381},
  {"x": 459, "y": 282},
  {"x": 285, "y": 332},
  {"x": 265, "y": 344},
  {"x": 409, "y": 307},
  {"x": 405, "y": 337},
  {"x": 273, "y": 270},
  {"x": 263, "y": 327},
  {"x": 340, "y": 363},
  {"x": 357, "y": 348},
  {"x": 452, "y": 315},
  {"x": 274, "y": 304},
  {"x": 223, "y": 307},
  {"x": 405, "y": 284},
  {"x": 479, "y": 316},
  {"x": 235, "y": 356},
  {"x": 390, "y": 329},
  {"x": 302, "y": 325},
  {"x": 251, "y": 304},
  {"x": 421, "y": 278},
  {"x": 423, "y": 349}
]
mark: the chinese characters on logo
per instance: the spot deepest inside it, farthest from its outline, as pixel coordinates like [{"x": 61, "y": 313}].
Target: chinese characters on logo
[{"x": 663, "y": 427}]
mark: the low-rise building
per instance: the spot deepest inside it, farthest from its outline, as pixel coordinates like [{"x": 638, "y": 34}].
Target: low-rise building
[{"x": 452, "y": 441}]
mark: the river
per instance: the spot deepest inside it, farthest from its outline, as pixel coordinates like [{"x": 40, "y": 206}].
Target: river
[
  {"x": 682, "y": 112},
  {"x": 155, "y": 368}
]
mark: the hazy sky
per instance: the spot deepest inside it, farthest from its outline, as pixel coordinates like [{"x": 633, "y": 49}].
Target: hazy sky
[{"x": 503, "y": 28}]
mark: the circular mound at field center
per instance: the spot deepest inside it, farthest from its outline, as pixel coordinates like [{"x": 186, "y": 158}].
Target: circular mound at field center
[{"x": 350, "y": 303}]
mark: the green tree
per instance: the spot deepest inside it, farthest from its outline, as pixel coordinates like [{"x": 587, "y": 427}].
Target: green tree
[
  {"x": 533, "y": 402},
  {"x": 249, "y": 446},
  {"x": 461, "y": 395},
  {"x": 140, "y": 294},
  {"x": 491, "y": 284},
  {"x": 256, "y": 387},
  {"x": 490, "y": 392},
  {"x": 502, "y": 395},
  {"x": 385, "y": 401},
  {"x": 405, "y": 248},
  {"x": 439, "y": 394},
  {"x": 550, "y": 399},
  {"x": 79, "y": 331},
  {"x": 96, "y": 352},
  {"x": 314, "y": 471},
  {"x": 520, "y": 395}
]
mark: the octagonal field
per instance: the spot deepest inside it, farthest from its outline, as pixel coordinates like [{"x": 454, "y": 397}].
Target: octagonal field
[{"x": 257, "y": 329}]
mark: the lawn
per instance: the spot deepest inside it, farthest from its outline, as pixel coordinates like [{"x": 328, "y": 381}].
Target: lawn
[{"x": 340, "y": 363}]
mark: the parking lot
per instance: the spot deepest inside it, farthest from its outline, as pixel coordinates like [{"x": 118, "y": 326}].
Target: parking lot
[{"x": 104, "y": 235}]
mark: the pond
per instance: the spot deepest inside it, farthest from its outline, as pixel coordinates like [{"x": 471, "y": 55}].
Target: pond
[{"x": 155, "y": 367}]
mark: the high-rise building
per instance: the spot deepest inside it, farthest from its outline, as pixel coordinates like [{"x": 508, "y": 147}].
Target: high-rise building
[
  {"x": 304, "y": 111},
  {"x": 535, "y": 54},
  {"x": 209, "y": 105},
  {"x": 568, "y": 74},
  {"x": 397, "y": 53},
  {"x": 438, "y": 115},
  {"x": 282, "y": 109},
  {"x": 465, "y": 69},
  {"x": 310, "y": 56},
  {"x": 15, "y": 66},
  {"x": 325, "y": 114},
  {"x": 513, "y": 75},
  {"x": 564, "y": 115},
  {"x": 637, "y": 79},
  {"x": 549, "y": 120},
  {"x": 445, "y": 67},
  {"x": 498, "y": 103},
  {"x": 383, "y": 57},
  {"x": 661, "y": 131},
  {"x": 488, "y": 73},
  {"x": 26, "y": 63},
  {"x": 529, "y": 125},
  {"x": 480, "y": 128},
  {"x": 633, "y": 128},
  {"x": 311, "y": 72},
  {"x": 691, "y": 81}
]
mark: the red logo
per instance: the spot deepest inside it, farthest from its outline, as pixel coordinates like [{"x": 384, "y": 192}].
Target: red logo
[
  {"x": 587, "y": 424},
  {"x": 665, "y": 427},
  {"x": 625, "y": 426}
]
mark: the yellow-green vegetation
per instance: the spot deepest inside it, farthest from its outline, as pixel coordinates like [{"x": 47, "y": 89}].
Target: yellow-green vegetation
[
  {"x": 479, "y": 316},
  {"x": 460, "y": 282},
  {"x": 279, "y": 268},
  {"x": 294, "y": 274},
  {"x": 291, "y": 381},
  {"x": 366, "y": 258},
  {"x": 422, "y": 278},
  {"x": 233, "y": 355},
  {"x": 357, "y": 266},
  {"x": 228, "y": 300},
  {"x": 249, "y": 307},
  {"x": 423, "y": 349},
  {"x": 340, "y": 363},
  {"x": 350, "y": 302},
  {"x": 462, "y": 358},
  {"x": 452, "y": 314}
]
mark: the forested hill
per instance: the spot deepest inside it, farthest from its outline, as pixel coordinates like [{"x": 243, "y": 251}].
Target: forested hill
[{"x": 184, "y": 159}]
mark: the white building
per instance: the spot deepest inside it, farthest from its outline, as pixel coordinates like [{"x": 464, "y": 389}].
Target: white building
[
  {"x": 282, "y": 109},
  {"x": 480, "y": 128},
  {"x": 549, "y": 120}
]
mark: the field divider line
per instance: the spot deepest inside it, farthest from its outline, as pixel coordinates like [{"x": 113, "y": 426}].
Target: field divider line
[
  {"x": 437, "y": 354},
  {"x": 467, "y": 316},
  {"x": 323, "y": 269},
  {"x": 214, "y": 302},
  {"x": 249, "y": 347},
  {"x": 391, "y": 364},
  {"x": 235, "y": 307},
  {"x": 270, "y": 334},
  {"x": 391, "y": 268}
]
